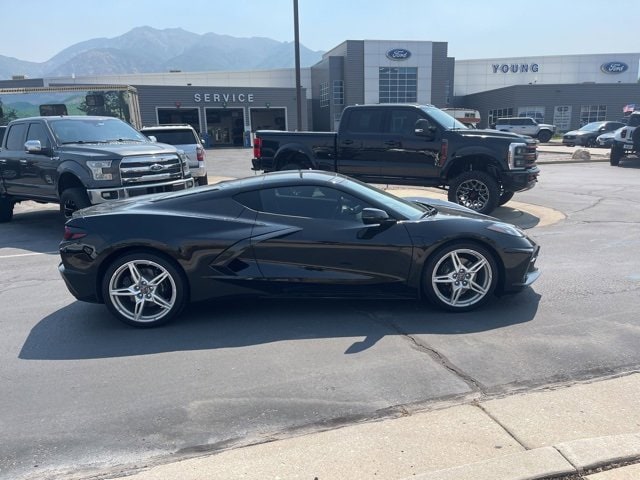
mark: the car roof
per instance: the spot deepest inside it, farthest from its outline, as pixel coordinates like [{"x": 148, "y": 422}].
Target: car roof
[{"x": 167, "y": 127}]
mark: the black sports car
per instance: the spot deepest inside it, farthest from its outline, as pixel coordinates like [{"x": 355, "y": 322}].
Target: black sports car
[{"x": 287, "y": 234}]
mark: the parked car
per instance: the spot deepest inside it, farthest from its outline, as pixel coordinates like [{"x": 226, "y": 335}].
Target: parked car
[
  {"x": 292, "y": 233},
  {"x": 586, "y": 136},
  {"x": 626, "y": 141},
  {"x": 185, "y": 138},
  {"x": 606, "y": 139},
  {"x": 526, "y": 126}
]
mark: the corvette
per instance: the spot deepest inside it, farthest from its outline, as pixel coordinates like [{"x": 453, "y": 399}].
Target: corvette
[{"x": 287, "y": 234}]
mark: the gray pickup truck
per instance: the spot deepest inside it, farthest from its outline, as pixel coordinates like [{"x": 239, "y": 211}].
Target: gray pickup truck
[{"x": 78, "y": 161}]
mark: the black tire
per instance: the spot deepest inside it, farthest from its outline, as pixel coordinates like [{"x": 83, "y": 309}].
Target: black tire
[
  {"x": 203, "y": 181},
  {"x": 6, "y": 209},
  {"x": 476, "y": 190},
  {"x": 139, "y": 302},
  {"x": 460, "y": 277},
  {"x": 73, "y": 199},
  {"x": 505, "y": 196},
  {"x": 615, "y": 155},
  {"x": 544, "y": 136}
]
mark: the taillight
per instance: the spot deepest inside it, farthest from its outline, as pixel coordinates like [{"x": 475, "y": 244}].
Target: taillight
[
  {"x": 200, "y": 154},
  {"x": 73, "y": 233},
  {"x": 257, "y": 145}
]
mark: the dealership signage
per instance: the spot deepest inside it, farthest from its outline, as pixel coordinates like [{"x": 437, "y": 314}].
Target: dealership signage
[
  {"x": 223, "y": 97},
  {"x": 515, "y": 67},
  {"x": 614, "y": 67},
  {"x": 398, "y": 54}
]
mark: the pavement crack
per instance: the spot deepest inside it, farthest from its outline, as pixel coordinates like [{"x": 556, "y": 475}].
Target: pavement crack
[
  {"x": 471, "y": 382},
  {"x": 502, "y": 425}
]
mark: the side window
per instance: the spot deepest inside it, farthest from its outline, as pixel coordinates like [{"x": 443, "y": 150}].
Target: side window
[
  {"x": 403, "y": 121},
  {"x": 15, "y": 136},
  {"x": 37, "y": 132},
  {"x": 365, "y": 120},
  {"x": 308, "y": 201}
]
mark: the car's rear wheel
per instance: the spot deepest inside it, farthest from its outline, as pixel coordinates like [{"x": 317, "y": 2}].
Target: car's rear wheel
[
  {"x": 73, "y": 199},
  {"x": 6, "y": 209},
  {"x": 203, "y": 181},
  {"x": 476, "y": 190},
  {"x": 144, "y": 289},
  {"x": 460, "y": 276}
]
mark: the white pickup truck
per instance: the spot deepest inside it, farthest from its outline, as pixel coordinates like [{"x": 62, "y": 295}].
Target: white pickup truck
[
  {"x": 526, "y": 126},
  {"x": 626, "y": 140}
]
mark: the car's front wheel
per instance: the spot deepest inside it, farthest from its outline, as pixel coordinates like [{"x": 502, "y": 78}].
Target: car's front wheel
[
  {"x": 476, "y": 190},
  {"x": 73, "y": 199},
  {"x": 460, "y": 277},
  {"x": 615, "y": 155},
  {"x": 144, "y": 289},
  {"x": 544, "y": 136}
]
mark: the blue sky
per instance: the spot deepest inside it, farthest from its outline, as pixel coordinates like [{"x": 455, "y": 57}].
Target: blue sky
[{"x": 35, "y": 30}]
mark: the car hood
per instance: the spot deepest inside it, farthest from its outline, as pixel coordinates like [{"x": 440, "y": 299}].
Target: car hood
[
  {"x": 471, "y": 132},
  {"x": 577, "y": 133},
  {"x": 118, "y": 149},
  {"x": 450, "y": 209}
]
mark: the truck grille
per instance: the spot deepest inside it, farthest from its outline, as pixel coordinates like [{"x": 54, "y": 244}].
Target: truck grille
[
  {"x": 150, "y": 169},
  {"x": 531, "y": 155}
]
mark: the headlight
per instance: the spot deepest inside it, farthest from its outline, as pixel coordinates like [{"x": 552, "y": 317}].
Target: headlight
[
  {"x": 98, "y": 169},
  {"x": 507, "y": 229}
]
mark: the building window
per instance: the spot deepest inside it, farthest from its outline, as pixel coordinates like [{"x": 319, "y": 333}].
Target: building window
[
  {"x": 537, "y": 113},
  {"x": 338, "y": 92},
  {"x": 497, "y": 113},
  {"x": 398, "y": 85},
  {"x": 324, "y": 94},
  {"x": 592, "y": 113}
]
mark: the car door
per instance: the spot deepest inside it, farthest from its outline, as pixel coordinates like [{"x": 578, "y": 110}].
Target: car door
[
  {"x": 407, "y": 156},
  {"x": 313, "y": 238},
  {"x": 12, "y": 165},
  {"x": 41, "y": 168},
  {"x": 360, "y": 143}
]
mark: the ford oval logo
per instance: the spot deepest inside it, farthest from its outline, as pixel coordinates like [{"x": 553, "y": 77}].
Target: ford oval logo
[
  {"x": 614, "y": 67},
  {"x": 156, "y": 167},
  {"x": 398, "y": 54}
]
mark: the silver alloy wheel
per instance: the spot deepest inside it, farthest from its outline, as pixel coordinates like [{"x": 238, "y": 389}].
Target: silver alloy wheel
[
  {"x": 472, "y": 194},
  {"x": 462, "y": 278},
  {"x": 142, "y": 291}
]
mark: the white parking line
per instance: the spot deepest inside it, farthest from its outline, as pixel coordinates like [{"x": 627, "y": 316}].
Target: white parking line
[{"x": 28, "y": 254}]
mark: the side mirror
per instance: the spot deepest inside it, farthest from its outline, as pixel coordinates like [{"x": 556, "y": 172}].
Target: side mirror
[
  {"x": 153, "y": 138},
  {"x": 372, "y": 216},
  {"x": 33, "y": 146},
  {"x": 423, "y": 128}
]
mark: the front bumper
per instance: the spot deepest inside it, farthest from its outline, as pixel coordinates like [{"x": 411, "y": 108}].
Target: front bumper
[
  {"x": 519, "y": 180},
  {"x": 521, "y": 270},
  {"x": 101, "y": 195}
]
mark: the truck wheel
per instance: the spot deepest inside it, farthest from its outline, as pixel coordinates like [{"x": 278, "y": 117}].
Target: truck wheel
[
  {"x": 144, "y": 289},
  {"x": 73, "y": 199},
  {"x": 615, "y": 155},
  {"x": 476, "y": 190},
  {"x": 635, "y": 137},
  {"x": 6, "y": 209},
  {"x": 203, "y": 180},
  {"x": 544, "y": 136},
  {"x": 505, "y": 196}
]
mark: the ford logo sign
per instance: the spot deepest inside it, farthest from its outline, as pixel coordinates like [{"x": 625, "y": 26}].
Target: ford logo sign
[
  {"x": 398, "y": 54},
  {"x": 614, "y": 67},
  {"x": 156, "y": 167}
]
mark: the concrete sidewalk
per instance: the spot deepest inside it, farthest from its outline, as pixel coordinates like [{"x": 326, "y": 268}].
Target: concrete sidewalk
[{"x": 590, "y": 430}]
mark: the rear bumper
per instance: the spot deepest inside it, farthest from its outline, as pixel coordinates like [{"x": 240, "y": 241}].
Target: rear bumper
[
  {"x": 81, "y": 285},
  {"x": 260, "y": 164}
]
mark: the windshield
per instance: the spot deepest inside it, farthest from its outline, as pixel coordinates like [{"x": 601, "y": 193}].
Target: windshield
[
  {"x": 407, "y": 209},
  {"x": 444, "y": 119},
  {"x": 94, "y": 130},
  {"x": 591, "y": 127}
]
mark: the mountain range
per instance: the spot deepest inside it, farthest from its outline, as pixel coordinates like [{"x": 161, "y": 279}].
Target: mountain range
[{"x": 149, "y": 50}]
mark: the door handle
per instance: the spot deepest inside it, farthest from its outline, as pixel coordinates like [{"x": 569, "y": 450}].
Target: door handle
[
  {"x": 3, "y": 161},
  {"x": 23, "y": 162},
  {"x": 392, "y": 143},
  {"x": 347, "y": 142}
]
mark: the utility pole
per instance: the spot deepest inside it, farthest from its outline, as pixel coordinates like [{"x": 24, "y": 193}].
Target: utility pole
[{"x": 297, "y": 50}]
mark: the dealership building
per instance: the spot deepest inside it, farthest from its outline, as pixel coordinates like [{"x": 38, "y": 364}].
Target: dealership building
[{"x": 566, "y": 90}]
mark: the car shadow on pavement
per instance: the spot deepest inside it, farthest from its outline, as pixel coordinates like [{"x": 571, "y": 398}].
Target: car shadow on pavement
[
  {"x": 37, "y": 231},
  {"x": 630, "y": 162},
  {"x": 87, "y": 331}
]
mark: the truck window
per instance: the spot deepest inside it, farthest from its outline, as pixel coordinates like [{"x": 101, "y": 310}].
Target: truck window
[
  {"x": 403, "y": 121},
  {"x": 365, "y": 120},
  {"x": 37, "y": 132},
  {"x": 15, "y": 136},
  {"x": 53, "y": 110}
]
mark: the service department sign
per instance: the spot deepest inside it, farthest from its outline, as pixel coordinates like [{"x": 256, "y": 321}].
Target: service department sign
[
  {"x": 614, "y": 67},
  {"x": 398, "y": 54}
]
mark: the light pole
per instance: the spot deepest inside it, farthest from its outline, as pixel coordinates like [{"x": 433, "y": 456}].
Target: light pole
[{"x": 297, "y": 54}]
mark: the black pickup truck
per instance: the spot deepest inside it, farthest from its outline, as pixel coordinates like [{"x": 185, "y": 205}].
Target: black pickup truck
[
  {"x": 78, "y": 161},
  {"x": 410, "y": 145}
]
